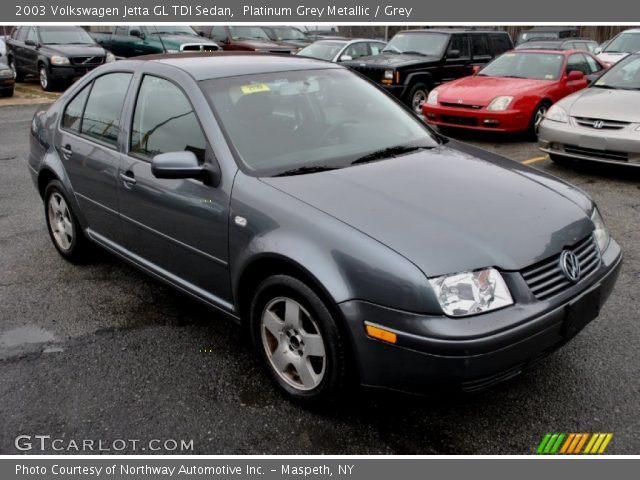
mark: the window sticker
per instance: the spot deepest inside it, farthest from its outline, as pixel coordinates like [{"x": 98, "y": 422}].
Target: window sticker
[{"x": 255, "y": 88}]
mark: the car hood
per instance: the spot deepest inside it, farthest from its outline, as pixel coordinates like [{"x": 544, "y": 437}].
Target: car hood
[
  {"x": 259, "y": 44},
  {"x": 604, "y": 103},
  {"x": 390, "y": 60},
  {"x": 171, "y": 40},
  {"x": 84, "y": 50},
  {"x": 447, "y": 210},
  {"x": 479, "y": 90},
  {"x": 611, "y": 57}
]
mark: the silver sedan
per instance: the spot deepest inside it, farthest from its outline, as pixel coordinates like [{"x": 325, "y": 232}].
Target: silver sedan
[
  {"x": 600, "y": 123},
  {"x": 341, "y": 50}
]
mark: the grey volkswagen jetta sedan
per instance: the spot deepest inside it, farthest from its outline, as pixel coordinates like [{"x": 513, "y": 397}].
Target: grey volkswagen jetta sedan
[{"x": 353, "y": 242}]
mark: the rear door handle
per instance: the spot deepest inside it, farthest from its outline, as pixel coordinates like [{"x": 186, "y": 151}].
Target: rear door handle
[
  {"x": 128, "y": 178},
  {"x": 66, "y": 151}
]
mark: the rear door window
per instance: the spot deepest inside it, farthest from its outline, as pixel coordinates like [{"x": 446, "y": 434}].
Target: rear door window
[
  {"x": 72, "y": 117},
  {"x": 101, "y": 119}
]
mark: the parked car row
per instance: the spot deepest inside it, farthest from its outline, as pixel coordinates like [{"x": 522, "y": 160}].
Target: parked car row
[{"x": 7, "y": 77}]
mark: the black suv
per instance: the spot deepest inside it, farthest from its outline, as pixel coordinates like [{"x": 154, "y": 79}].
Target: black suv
[
  {"x": 56, "y": 54},
  {"x": 415, "y": 61}
]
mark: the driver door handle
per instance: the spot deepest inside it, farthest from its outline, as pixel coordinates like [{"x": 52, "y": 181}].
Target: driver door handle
[
  {"x": 128, "y": 178},
  {"x": 66, "y": 151}
]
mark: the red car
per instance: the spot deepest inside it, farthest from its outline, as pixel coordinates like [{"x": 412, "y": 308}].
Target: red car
[{"x": 513, "y": 92}]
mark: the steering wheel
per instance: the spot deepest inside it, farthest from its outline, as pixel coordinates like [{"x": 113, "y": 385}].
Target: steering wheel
[{"x": 333, "y": 129}]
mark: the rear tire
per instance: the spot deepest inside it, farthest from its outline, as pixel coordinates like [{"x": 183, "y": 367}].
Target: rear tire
[
  {"x": 19, "y": 75},
  {"x": 298, "y": 340},
  {"x": 63, "y": 226}
]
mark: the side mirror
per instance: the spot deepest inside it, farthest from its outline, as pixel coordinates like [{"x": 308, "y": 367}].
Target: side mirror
[
  {"x": 176, "y": 165},
  {"x": 598, "y": 50},
  {"x": 184, "y": 165},
  {"x": 475, "y": 69},
  {"x": 453, "y": 54},
  {"x": 30, "y": 43},
  {"x": 201, "y": 33},
  {"x": 134, "y": 32},
  {"x": 575, "y": 75},
  {"x": 346, "y": 58}
]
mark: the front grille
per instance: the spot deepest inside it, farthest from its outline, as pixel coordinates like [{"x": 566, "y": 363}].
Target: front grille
[
  {"x": 600, "y": 123},
  {"x": 461, "y": 105},
  {"x": 199, "y": 47},
  {"x": 97, "y": 60},
  {"x": 594, "y": 153},
  {"x": 545, "y": 279},
  {"x": 456, "y": 120},
  {"x": 374, "y": 74}
]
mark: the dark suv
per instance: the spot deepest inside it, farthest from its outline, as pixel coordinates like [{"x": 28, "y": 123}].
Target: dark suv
[
  {"x": 415, "y": 61},
  {"x": 56, "y": 54}
]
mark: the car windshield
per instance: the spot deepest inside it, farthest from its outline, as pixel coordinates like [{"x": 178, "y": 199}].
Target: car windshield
[
  {"x": 624, "y": 75},
  {"x": 322, "y": 50},
  {"x": 53, "y": 35},
  {"x": 309, "y": 120},
  {"x": 423, "y": 43},
  {"x": 535, "y": 66},
  {"x": 248, "y": 33},
  {"x": 286, "y": 33},
  {"x": 529, "y": 36},
  {"x": 172, "y": 30},
  {"x": 625, "y": 43}
]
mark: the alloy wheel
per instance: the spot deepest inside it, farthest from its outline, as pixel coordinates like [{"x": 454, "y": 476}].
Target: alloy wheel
[
  {"x": 419, "y": 97},
  {"x": 293, "y": 343},
  {"x": 60, "y": 221}
]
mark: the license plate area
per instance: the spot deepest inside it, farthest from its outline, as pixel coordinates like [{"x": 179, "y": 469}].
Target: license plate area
[{"x": 581, "y": 312}]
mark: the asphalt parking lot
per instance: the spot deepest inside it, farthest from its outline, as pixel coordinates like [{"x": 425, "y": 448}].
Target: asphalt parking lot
[{"x": 103, "y": 352}]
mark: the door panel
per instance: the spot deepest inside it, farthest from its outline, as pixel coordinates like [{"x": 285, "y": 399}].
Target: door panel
[
  {"x": 180, "y": 226},
  {"x": 87, "y": 146}
]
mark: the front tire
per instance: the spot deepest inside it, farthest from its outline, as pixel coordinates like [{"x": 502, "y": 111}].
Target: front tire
[
  {"x": 46, "y": 83},
  {"x": 63, "y": 226},
  {"x": 537, "y": 117},
  {"x": 417, "y": 96},
  {"x": 298, "y": 340}
]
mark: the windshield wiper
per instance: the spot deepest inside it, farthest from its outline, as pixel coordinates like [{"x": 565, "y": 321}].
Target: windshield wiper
[
  {"x": 305, "y": 170},
  {"x": 414, "y": 52},
  {"x": 388, "y": 153}
]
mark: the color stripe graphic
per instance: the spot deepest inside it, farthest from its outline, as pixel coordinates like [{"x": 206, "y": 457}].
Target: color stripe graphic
[{"x": 574, "y": 443}]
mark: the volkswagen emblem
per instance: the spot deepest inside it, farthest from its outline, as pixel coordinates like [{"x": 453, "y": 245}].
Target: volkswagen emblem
[
  {"x": 570, "y": 265},
  {"x": 460, "y": 102},
  {"x": 598, "y": 124}
]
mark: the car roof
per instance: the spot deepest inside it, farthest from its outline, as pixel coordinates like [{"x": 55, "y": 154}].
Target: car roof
[
  {"x": 549, "y": 28},
  {"x": 551, "y": 51},
  {"x": 453, "y": 30},
  {"x": 205, "y": 66}
]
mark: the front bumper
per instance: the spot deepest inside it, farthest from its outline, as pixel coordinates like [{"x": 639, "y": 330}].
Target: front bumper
[
  {"x": 69, "y": 72},
  {"x": 480, "y": 119},
  {"x": 7, "y": 83},
  {"x": 582, "y": 143},
  {"x": 469, "y": 353}
]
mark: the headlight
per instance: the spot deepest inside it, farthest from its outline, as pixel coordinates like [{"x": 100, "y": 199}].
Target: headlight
[
  {"x": 6, "y": 73},
  {"x": 172, "y": 50},
  {"x": 388, "y": 74},
  {"x": 470, "y": 293},
  {"x": 600, "y": 232},
  {"x": 500, "y": 103},
  {"x": 557, "y": 114},
  {"x": 110, "y": 57},
  {"x": 432, "y": 99},
  {"x": 59, "y": 60}
]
